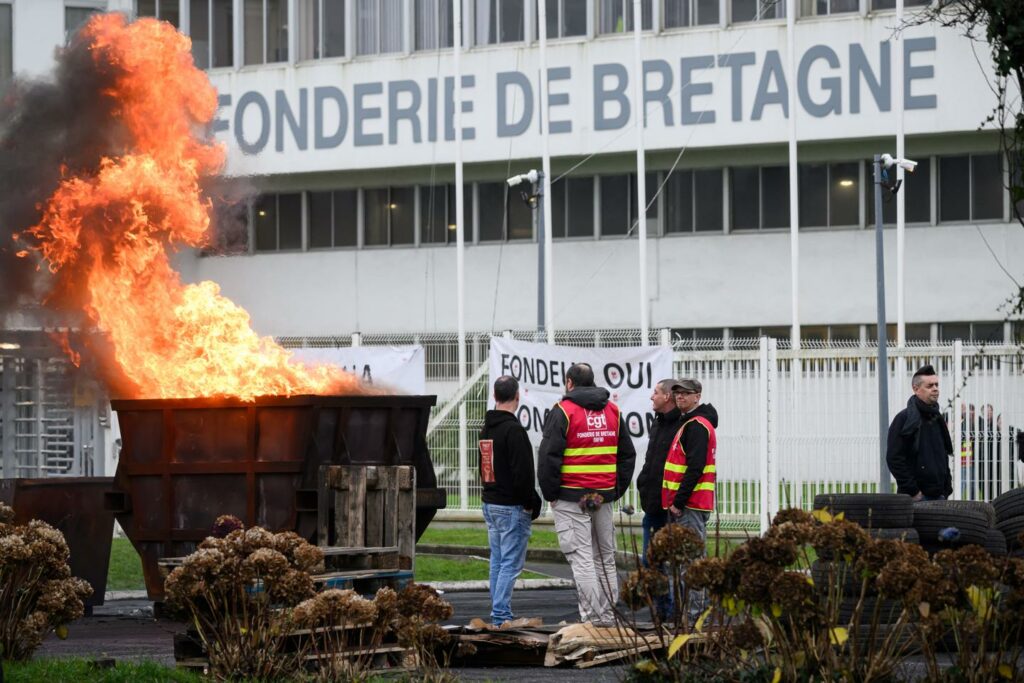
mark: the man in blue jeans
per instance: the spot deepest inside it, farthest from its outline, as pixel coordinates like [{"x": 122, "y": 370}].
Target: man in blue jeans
[{"x": 510, "y": 501}]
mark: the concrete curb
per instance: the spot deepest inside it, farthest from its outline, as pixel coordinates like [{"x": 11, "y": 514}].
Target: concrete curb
[
  {"x": 484, "y": 586},
  {"x": 623, "y": 559}
]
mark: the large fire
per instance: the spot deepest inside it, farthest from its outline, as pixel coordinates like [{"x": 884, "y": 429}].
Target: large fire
[{"x": 105, "y": 234}]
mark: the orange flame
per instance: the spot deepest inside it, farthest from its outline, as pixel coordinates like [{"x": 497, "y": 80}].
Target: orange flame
[{"x": 105, "y": 234}]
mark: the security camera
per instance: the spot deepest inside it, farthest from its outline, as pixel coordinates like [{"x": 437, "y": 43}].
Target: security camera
[
  {"x": 530, "y": 177},
  {"x": 906, "y": 164}
]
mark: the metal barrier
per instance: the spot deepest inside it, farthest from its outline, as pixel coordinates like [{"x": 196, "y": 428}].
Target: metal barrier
[{"x": 794, "y": 422}]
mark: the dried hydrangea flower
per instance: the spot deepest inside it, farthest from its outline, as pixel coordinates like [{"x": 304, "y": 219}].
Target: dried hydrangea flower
[
  {"x": 640, "y": 587},
  {"x": 707, "y": 574},
  {"x": 224, "y": 525},
  {"x": 792, "y": 516},
  {"x": 675, "y": 544}
]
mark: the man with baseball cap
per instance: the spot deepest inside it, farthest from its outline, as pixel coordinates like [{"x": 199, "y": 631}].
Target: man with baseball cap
[{"x": 688, "y": 487}]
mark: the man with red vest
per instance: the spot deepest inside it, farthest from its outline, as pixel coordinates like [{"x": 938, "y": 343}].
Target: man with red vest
[
  {"x": 585, "y": 463},
  {"x": 688, "y": 487}
]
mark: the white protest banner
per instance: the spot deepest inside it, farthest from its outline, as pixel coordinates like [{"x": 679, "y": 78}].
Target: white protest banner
[
  {"x": 401, "y": 367},
  {"x": 628, "y": 373}
]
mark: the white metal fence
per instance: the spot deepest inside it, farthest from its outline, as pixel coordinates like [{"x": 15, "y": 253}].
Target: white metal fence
[{"x": 793, "y": 422}]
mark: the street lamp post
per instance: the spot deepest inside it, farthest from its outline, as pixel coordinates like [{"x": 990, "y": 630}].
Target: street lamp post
[{"x": 882, "y": 163}]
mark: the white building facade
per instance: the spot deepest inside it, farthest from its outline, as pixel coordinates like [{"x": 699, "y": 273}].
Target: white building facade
[{"x": 340, "y": 115}]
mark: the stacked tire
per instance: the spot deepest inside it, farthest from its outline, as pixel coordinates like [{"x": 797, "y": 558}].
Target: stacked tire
[
  {"x": 950, "y": 524},
  {"x": 1009, "y": 513},
  {"x": 883, "y": 517}
]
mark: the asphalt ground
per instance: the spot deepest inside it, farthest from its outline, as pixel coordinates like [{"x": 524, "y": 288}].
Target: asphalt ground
[{"x": 125, "y": 629}]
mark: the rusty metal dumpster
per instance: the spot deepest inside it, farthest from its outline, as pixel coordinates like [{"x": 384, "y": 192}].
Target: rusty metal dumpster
[
  {"x": 184, "y": 462},
  {"x": 75, "y": 507}
]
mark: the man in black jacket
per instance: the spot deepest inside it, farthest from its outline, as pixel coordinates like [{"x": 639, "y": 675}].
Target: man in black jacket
[
  {"x": 510, "y": 501},
  {"x": 648, "y": 483},
  {"x": 585, "y": 463},
  {"x": 919, "y": 446}
]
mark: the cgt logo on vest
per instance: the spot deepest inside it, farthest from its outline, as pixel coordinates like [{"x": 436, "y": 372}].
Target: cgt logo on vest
[{"x": 596, "y": 421}]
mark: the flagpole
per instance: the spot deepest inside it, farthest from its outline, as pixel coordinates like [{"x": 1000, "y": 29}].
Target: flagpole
[
  {"x": 460, "y": 253},
  {"x": 640, "y": 118},
  {"x": 549, "y": 306}
]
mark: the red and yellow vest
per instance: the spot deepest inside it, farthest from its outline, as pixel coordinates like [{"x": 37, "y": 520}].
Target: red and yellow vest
[
  {"x": 703, "y": 496},
  {"x": 591, "y": 444}
]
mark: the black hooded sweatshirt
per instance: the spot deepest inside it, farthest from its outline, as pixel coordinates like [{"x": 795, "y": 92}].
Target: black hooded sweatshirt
[
  {"x": 694, "y": 441},
  {"x": 918, "y": 450},
  {"x": 512, "y": 462},
  {"x": 648, "y": 483},
  {"x": 552, "y": 446}
]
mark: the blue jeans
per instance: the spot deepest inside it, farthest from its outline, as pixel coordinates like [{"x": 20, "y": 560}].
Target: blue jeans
[
  {"x": 508, "y": 530},
  {"x": 653, "y": 521},
  {"x": 652, "y": 524}
]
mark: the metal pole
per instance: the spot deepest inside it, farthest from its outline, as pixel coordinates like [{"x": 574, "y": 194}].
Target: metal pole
[
  {"x": 794, "y": 195},
  {"x": 901, "y": 207},
  {"x": 544, "y": 209},
  {"x": 8, "y": 413},
  {"x": 538, "y": 219},
  {"x": 883, "y": 361},
  {"x": 641, "y": 169},
  {"x": 460, "y": 254}
]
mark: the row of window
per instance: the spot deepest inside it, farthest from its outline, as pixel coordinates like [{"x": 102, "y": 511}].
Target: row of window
[
  {"x": 965, "y": 188},
  {"x": 845, "y": 335},
  {"x": 339, "y": 28},
  {"x": 6, "y": 44}
]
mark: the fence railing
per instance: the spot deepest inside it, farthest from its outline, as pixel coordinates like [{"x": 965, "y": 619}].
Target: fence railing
[{"x": 794, "y": 423}]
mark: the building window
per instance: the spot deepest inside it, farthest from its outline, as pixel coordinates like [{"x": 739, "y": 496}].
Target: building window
[
  {"x": 75, "y": 17},
  {"x": 6, "y": 46},
  {"x": 916, "y": 187},
  {"x": 810, "y": 8},
  {"x": 389, "y": 216},
  {"x": 503, "y": 215},
  {"x": 693, "y": 201},
  {"x": 983, "y": 332},
  {"x": 277, "y": 222},
  {"x": 757, "y": 10},
  {"x": 164, "y": 10},
  {"x": 616, "y": 16},
  {"x": 499, "y": 21},
  {"x": 970, "y": 187},
  {"x": 682, "y": 13},
  {"x": 333, "y": 219},
  {"x": 211, "y": 27},
  {"x": 433, "y": 24},
  {"x": 829, "y": 194},
  {"x": 379, "y": 26},
  {"x": 572, "y": 208},
  {"x": 266, "y": 31},
  {"x": 759, "y": 198},
  {"x": 618, "y": 203},
  {"x": 437, "y": 214},
  {"x": 566, "y": 18},
  {"x": 321, "y": 28},
  {"x": 891, "y": 4}
]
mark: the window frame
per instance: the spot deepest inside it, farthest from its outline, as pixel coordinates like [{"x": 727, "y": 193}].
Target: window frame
[
  {"x": 211, "y": 45},
  {"x": 436, "y": 27},
  {"x": 157, "y": 13},
  {"x": 779, "y": 6},
  {"x": 93, "y": 6},
  {"x": 7, "y": 77},
  {"x": 317, "y": 52},
  {"x": 265, "y": 34},
  {"x": 352, "y": 15},
  {"x": 475, "y": 37},
  {"x": 303, "y": 233},
  {"x": 588, "y": 32},
  {"x": 1004, "y": 193},
  {"x": 861, "y": 183},
  {"x": 627, "y": 28}
]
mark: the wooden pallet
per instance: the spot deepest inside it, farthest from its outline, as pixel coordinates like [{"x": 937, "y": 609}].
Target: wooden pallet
[
  {"x": 366, "y": 516},
  {"x": 190, "y": 653}
]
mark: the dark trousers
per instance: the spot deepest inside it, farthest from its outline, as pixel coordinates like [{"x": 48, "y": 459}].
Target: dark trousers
[{"x": 652, "y": 523}]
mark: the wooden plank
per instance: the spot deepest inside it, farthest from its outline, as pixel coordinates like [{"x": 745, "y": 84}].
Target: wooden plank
[
  {"x": 406, "y": 506},
  {"x": 335, "y": 551},
  {"x": 375, "y": 506},
  {"x": 355, "y": 508},
  {"x": 323, "y": 509},
  {"x": 338, "y": 480}
]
